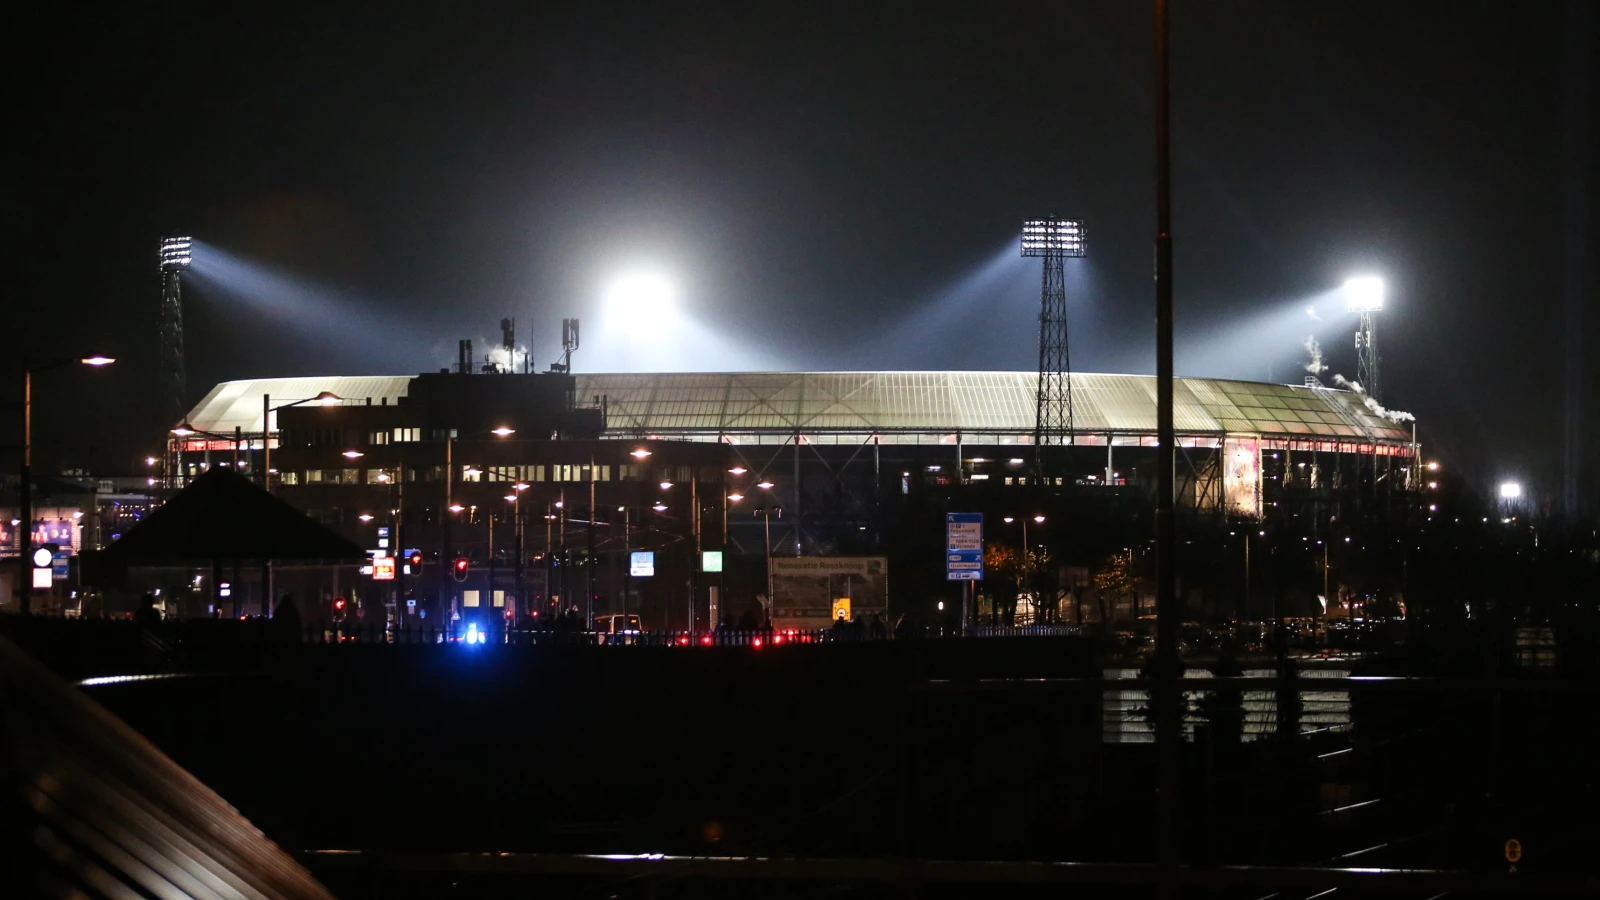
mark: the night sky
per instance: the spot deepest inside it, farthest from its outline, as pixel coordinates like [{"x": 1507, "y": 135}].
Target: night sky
[{"x": 828, "y": 186}]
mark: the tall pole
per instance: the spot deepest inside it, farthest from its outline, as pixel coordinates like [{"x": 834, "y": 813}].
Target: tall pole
[
  {"x": 1166, "y": 668},
  {"x": 516, "y": 515},
  {"x": 25, "y": 512},
  {"x": 446, "y": 565},
  {"x": 266, "y": 442},
  {"x": 588, "y": 596},
  {"x": 694, "y": 563},
  {"x": 766, "y": 514}
]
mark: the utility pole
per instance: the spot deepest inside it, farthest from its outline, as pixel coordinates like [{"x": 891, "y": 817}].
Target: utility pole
[{"x": 1166, "y": 655}]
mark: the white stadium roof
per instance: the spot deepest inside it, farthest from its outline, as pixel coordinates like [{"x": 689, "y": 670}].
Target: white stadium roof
[{"x": 817, "y": 403}]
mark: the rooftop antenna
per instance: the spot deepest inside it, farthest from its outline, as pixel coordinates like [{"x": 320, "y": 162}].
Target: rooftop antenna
[{"x": 569, "y": 343}]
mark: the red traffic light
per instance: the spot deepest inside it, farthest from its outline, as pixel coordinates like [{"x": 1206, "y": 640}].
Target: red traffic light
[
  {"x": 338, "y": 604},
  {"x": 461, "y": 568},
  {"x": 415, "y": 558}
]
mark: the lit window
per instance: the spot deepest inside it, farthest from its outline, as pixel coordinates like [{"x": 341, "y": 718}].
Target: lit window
[{"x": 313, "y": 476}]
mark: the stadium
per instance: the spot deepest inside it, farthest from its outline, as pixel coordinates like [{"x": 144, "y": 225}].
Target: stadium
[{"x": 756, "y": 465}]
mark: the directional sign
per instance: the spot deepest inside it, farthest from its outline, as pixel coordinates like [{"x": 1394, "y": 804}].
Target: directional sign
[
  {"x": 963, "y": 558},
  {"x": 61, "y": 564}
]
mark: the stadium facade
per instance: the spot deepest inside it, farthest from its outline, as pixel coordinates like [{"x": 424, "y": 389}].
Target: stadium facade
[{"x": 755, "y": 465}]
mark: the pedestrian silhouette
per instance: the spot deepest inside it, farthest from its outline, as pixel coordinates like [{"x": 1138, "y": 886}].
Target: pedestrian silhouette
[
  {"x": 879, "y": 631},
  {"x": 147, "y": 615},
  {"x": 286, "y": 621}
]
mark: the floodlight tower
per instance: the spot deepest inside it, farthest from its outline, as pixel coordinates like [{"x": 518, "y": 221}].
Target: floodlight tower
[
  {"x": 1054, "y": 240},
  {"x": 1364, "y": 294},
  {"x": 175, "y": 254}
]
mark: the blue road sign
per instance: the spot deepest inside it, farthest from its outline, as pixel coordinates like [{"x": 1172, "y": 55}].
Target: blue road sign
[{"x": 963, "y": 558}]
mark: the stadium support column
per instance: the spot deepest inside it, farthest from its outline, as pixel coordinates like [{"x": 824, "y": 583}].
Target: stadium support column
[{"x": 1054, "y": 240}]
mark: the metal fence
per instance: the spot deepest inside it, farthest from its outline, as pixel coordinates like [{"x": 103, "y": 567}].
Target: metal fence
[{"x": 345, "y": 633}]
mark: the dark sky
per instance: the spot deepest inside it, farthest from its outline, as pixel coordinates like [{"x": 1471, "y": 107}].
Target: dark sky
[{"x": 829, "y": 185}]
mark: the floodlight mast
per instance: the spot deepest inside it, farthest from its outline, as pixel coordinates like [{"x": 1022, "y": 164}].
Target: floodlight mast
[
  {"x": 1364, "y": 294},
  {"x": 1053, "y": 239},
  {"x": 174, "y": 255}
]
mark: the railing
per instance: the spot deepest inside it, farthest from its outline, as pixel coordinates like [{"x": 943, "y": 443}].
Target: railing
[{"x": 343, "y": 633}]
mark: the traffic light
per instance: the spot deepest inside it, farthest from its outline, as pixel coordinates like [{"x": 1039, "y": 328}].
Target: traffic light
[
  {"x": 415, "y": 558},
  {"x": 461, "y": 568},
  {"x": 338, "y": 604}
]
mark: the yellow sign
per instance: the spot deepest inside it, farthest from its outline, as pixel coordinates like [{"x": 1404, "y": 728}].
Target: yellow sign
[
  {"x": 841, "y": 609},
  {"x": 1513, "y": 850}
]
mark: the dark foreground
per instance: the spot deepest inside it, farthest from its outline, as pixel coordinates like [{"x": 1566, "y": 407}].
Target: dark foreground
[{"x": 958, "y": 768}]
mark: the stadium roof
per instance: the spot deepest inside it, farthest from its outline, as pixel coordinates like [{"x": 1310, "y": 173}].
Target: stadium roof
[
  {"x": 971, "y": 402},
  {"x": 712, "y": 403}
]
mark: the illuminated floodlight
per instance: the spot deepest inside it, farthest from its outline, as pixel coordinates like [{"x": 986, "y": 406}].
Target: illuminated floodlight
[
  {"x": 643, "y": 304},
  {"x": 520, "y": 486},
  {"x": 660, "y": 507},
  {"x": 738, "y": 470},
  {"x": 456, "y": 507},
  {"x": 736, "y": 497},
  {"x": 666, "y": 485},
  {"x": 365, "y": 517},
  {"x": 149, "y": 460},
  {"x": 511, "y": 498},
  {"x": 1510, "y": 490},
  {"x": 353, "y": 454},
  {"x": 1053, "y": 237},
  {"x": 640, "y": 453},
  {"x": 1433, "y": 467},
  {"x": 176, "y": 253},
  {"x": 1363, "y": 293},
  {"x": 502, "y": 431},
  {"x": 327, "y": 398},
  {"x": 98, "y": 359},
  {"x": 183, "y": 430},
  {"x": 1039, "y": 519},
  {"x": 764, "y": 485}
]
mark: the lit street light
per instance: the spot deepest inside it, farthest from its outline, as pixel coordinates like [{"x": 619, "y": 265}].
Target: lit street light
[{"x": 25, "y": 512}]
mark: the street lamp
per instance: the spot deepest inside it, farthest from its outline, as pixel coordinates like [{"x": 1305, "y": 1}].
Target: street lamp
[
  {"x": 1026, "y": 566},
  {"x": 766, "y": 513},
  {"x": 326, "y": 398},
  {"x": 25, "y": 513}
]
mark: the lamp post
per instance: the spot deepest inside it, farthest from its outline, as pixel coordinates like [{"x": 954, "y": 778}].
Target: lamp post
[
  {"x": 735, "y": 496},
  {"x": 25, "y": 510},
  {"x": 1026, "y": 562},
  {"x": 766, "y": 513},
  {"x": 326, "y": 398}
]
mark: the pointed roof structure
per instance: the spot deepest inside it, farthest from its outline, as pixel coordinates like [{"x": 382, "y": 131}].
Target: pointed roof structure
[{"x": 222, "y": 515}]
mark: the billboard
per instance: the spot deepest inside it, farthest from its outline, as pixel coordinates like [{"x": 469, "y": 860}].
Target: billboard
[
  {"x": 642, "y": 564},
  {"x": 807, "y": 590}
]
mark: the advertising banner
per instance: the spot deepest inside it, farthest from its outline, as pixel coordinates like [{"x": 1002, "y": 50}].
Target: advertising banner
[{"x": 807, "y": 591}]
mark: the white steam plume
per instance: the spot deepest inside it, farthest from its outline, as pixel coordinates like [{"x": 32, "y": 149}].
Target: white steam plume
[
  {"x": 1393, "y": 415},
  {"x": 508, "y": 360},
  {"x": 1312, "y": 312},
  {"x": 1314, "y": 348}
]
